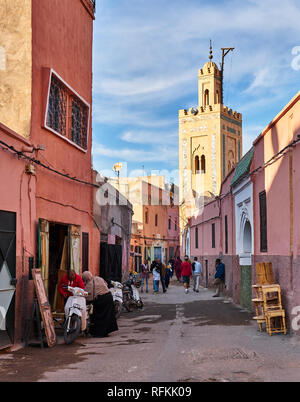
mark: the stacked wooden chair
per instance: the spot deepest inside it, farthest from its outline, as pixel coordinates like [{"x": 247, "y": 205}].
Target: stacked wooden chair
[{"x": 268, "y": 303}]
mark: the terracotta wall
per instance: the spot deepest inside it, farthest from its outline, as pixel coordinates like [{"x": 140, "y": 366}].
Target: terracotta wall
[
  {"x": 18, "y": 196},
  {"x": 281, "y": 181},
  {"x": 62, "y": 40}
]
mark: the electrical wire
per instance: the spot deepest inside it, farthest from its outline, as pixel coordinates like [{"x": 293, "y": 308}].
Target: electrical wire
[{"x": 39, "y": 163}]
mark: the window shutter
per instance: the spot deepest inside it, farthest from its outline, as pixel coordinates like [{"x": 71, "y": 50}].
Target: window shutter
[
  {"x": 213, "y": 235},
  {"x": 263, "y": 222},
  {"x": 226, "y": 234}
]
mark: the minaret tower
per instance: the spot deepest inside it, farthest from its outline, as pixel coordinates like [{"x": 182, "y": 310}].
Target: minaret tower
[{"x": 210, "y": 137}]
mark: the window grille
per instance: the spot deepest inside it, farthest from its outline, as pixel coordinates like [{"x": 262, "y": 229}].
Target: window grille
[
  {"x": 57, "y": 107},
  {"x": 67, "y": 115},
  {"x": 79, "y": 123}
]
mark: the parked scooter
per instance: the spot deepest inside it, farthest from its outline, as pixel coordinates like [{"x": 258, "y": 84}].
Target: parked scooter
[
  {"x": 131, "y": 295},
  {"x": 76, "y": 314},
  {"x": 117, "y": 294}
]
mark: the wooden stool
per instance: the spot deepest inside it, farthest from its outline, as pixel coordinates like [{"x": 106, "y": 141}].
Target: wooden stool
[{"x": 271, "y": 317}]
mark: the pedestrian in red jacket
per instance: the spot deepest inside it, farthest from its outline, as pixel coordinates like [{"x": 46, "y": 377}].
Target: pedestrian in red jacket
[
  {"x": 70, "y": 279},
  {"x": 186, "y": 273}
]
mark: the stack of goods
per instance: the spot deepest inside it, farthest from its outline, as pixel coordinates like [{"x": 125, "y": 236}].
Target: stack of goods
[{"x": 268, "y": 304}]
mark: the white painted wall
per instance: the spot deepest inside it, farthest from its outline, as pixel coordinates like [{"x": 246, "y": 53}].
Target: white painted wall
[{"x": 243, "y": 200}]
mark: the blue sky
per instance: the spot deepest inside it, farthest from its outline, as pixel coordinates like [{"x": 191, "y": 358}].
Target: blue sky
[{"x": 145, "y": 69}]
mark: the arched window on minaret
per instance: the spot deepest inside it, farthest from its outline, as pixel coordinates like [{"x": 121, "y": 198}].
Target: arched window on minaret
[
  {"x": 206, "y": 97},
  {"x": 197, "y": 164},
  {"x": 203, "y": 164}
]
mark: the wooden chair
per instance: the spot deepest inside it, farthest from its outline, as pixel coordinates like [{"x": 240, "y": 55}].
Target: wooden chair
[
  {"x": 268, "y": 307},
  {"x": 264, "y": 272}
]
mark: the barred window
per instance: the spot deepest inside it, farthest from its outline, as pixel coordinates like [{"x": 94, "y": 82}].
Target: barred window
[
  {"x": 57, "y": 107},
  {"x": 67, "y": 114},
  {"x": 79, "y": 123}
]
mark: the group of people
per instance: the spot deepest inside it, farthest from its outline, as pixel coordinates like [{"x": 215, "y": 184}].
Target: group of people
[
  {"x": 184, "y": 270},
  {"x": 187, "y": 270},
  {"x": 161, "y": 274},
  {"x": 103, "y": 320}
]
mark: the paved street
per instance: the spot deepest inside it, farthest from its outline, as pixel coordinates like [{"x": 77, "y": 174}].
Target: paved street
[{"x": 176, "y": 337}]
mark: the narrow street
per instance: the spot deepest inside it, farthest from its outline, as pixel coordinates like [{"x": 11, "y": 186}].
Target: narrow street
[{"x": 175, "y": 338}]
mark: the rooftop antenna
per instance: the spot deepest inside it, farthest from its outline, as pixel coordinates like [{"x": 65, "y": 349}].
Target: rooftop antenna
[{"x": 225, "y": 51}]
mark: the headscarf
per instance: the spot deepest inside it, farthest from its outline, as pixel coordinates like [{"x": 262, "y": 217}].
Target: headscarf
[
  {"x": 94, "y": 285},
  {"x": 87, "y": 276}
]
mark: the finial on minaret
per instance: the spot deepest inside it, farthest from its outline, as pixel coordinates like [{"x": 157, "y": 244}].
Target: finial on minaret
[{"x": 210, "y": 52}]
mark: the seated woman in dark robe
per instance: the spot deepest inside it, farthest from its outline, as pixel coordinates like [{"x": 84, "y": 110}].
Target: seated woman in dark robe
[{"x": 103, "y": 320}]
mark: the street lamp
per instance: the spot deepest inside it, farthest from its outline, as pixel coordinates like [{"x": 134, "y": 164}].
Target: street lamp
[{"x": 117, "y": 168}]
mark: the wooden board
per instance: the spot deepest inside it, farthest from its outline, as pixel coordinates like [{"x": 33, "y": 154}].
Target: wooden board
[{"x": 44, "y": 307}]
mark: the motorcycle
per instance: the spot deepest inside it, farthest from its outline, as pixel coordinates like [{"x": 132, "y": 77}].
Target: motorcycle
[
  {"x": 117, "y": 294},
  {"x": 131, "y": 295},
  {"x": 76, "y": 314}
]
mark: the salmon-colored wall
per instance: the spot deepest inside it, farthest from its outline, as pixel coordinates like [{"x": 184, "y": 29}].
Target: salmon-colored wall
[
  {"x": 275, "y": 180},
  {"x": 215, "y": 212},
  {"x": 18, "y": 196},
  {"x": 281, "y": 180},
  {"x": 62, "y": 40}
]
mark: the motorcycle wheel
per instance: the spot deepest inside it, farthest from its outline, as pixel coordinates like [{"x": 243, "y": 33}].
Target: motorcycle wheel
[
  {"x": 118, "y": 307},
  {"x": 140, "y": 304},
  {"x": 127, "y": 303},
  {"x": 74, "y": 329}
]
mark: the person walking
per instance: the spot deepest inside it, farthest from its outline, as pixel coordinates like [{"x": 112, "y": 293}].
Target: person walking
[
  {"x": 156, "y": 279},
  {"x": 162, "y": 276},
  {"x": 197, "y": 272},
  {"x": 168, "y": 275},
  {"x": 219, "y": 277},
  {"x": 186, "y": 273},
  {"x": 145, "y": 275},
  {"x": 177, "y": 268}
]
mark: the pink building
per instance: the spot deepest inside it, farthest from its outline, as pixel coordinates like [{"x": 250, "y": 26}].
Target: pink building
[
  {"x": 46, "y": 210},
  {"x": 276, "y": 192},
  {"x": 255, "y": 218},
  {"x": 212, "y": 236}
]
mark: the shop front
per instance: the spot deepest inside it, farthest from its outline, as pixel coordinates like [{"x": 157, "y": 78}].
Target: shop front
[{"x": 59, "y": 251}]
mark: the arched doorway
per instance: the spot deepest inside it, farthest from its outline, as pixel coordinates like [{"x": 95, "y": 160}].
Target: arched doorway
[
  {"x": 247, "y": 239},
  {"x": 246, "y": 265}
]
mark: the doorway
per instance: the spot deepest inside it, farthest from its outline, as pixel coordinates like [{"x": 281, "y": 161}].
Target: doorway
[
  {"x": 59, "y": 259},
  {"x": 111, "y": 262},
  {"x": 157, "y": 253},
  {"x": 7, "y": 277},
  {"x": 59, "y": 251},
  {"x": 246, "y": 268}
]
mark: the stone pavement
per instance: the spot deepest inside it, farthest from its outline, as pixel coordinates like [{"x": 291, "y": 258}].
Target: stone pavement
[{"x": 177, "y": 337}]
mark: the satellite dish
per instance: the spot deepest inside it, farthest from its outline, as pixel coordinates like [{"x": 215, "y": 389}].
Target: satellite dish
[{"x": 194, "y": 111}]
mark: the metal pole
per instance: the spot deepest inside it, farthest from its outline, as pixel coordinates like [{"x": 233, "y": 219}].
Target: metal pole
[{"x": 225, "y": 51}]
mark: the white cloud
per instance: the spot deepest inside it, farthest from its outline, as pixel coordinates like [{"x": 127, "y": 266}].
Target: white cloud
[
  {"x": 150, "y": 137},
  {"x": 147, "y": 54},
  {"x": 162, "y": 154}
]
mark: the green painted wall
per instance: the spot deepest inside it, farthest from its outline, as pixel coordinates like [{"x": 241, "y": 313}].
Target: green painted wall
[{"x": 246, "y": 287}]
